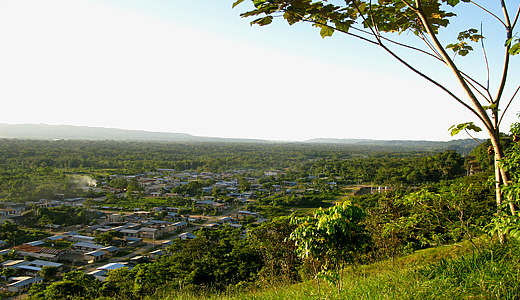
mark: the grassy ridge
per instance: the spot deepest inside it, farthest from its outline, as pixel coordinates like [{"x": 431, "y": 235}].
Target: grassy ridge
[{"x": 445, "y": 272}]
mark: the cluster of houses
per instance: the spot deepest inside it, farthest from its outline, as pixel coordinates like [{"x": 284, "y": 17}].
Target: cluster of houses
[
  {"x": 84, "y": 246},
  {"x": 91, "y": 252},
  {"x": 160, "y": 183},
  {"x": 133, "y": 235},
  {"x": 146, "y": 229},
  {"x": 30, "y": 269},
  {"x": 12, "y": 208},
  {"x": 133, "y": 227},
  {"x": 153, "y": 184}
]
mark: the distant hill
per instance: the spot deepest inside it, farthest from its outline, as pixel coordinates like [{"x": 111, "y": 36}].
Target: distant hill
[
  {"x": 69, "y": 132},
  {"x": 461, "y": 143},
  {"x": 463, "y": 146}
]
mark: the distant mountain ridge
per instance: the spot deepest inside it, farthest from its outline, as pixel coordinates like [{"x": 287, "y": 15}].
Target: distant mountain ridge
[
  {"x": 70, "y": 132},
  {"x": 464, "y": 146},
  {"x": 463, "y": 143}
]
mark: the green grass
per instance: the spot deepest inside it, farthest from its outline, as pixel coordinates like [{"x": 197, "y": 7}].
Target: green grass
[
  {"x": 445, "y": 272},
  {"x": 58, "y": 244}
]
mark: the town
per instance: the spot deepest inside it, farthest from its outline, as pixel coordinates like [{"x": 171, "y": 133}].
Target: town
[{"x": 126, "y": 227}]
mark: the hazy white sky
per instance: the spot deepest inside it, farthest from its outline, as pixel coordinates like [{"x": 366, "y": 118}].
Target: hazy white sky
[{"x": 196, "y": 67}]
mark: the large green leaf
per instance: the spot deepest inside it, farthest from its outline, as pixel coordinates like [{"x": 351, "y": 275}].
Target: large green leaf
[
  {"x": 514, "y": 45},
  {"x": 456, "y": 129},
  {"x": 462, "y": 48},
  {"x": 326, "y": 31},
  {"x": 263, "y": 21}
]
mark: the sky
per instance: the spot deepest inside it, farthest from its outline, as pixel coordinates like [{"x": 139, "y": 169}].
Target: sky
[{"x": 197, "y": 67}]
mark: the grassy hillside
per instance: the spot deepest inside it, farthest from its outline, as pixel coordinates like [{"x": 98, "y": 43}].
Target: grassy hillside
[{"x": 458, "y": 271}]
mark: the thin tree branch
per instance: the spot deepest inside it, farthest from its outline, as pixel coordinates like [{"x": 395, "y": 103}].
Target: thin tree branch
[
  {"x": 428, "y": 78},
  {"x": 492, "y": 14},
  {"x": 407, "y": 65},
  {"x": 469, "y": 81},
  {"x": 467, "y": 77},
  {"x": 375, "y": 32},
  {"x": 516, "y": 17},
  {"x": 305, "y": 19},
  {"x": 414, "y": 9},
  {"x": 429, "y": 44},
  {"x": 397, "y": 43},
  {"x": 506, "y": 14},
  {"x": 467, "y": 132},
  {"x": 505, "y": 69},
  {"x": 377, "y": 36},
  {"x": 343, "y": 31},
  {"x": 485, "y": 58},
  {"x": 479, "y": 110},
  {"x": 509, "y": 103}
]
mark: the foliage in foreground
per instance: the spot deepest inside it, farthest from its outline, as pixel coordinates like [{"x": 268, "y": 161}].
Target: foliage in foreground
[{"x": 492, "y": 273}]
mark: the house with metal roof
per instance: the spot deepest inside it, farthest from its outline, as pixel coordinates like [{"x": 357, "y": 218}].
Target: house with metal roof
[
  {"x": 180, "y": 225},
  {"x": 187, "y": 236},
  {"x": 130, "y": 232},
  {"x": 110, "y": 250},
  {"x": 23, "y": 283},
  {"x": 38, "y": 252},
  {"x": 93, "y": 256},
  {"x": 84, "y": 246},
  {"x": 149, "y": 233},
  {"x": 12, "y": 263},
  {"x": 36, "y": 243},
  {"x": 81, "y": 238},
  {"x": 113, "y": 266},
  {"x": 43, "y": 263},
  {"x": 166, "y": 243},
  {"x": 133, "y": 241},
  {"x": 156, "y": 254},
  {"x": 54, "y": 238}
]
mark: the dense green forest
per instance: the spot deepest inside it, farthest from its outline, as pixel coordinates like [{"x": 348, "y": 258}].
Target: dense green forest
[{"x": 32, "y": 170}]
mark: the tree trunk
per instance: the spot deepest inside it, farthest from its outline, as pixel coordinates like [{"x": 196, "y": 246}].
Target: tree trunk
[
  {"x": 501, "y": 176},
  {"x": 491, "y": 125}
]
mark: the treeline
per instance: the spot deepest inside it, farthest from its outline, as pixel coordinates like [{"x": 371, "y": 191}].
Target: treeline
[
  {"x": 135, "y": 157},
  {"x": 393, "y": 168},
  {"x": 61, "y": 215},
  {"x": 32, "y": 170},
  {"x": 12, "y": 234}
]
